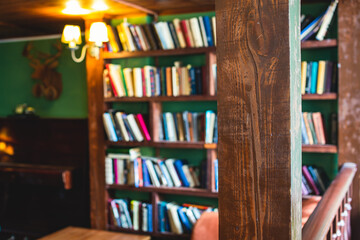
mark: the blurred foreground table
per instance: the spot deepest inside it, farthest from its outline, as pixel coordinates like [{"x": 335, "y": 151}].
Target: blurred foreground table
[{"x": 72, "y": 233}]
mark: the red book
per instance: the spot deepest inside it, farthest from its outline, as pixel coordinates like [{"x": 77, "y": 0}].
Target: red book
[
  {"x": 111, "y": 81},
  {"x": 186, "y": 33},
  {"x": 140, "y": 171},
  {"x": 143, "y": 126},
  {"x": 309, "y": 179}
]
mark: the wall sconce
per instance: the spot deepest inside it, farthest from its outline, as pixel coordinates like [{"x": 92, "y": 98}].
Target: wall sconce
[{"x": 72, "y": 36}]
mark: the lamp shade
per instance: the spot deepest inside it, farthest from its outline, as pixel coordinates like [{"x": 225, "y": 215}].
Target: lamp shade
[
  {"x": 98, "y": 33},
  {"x": 71, "y": 35}
]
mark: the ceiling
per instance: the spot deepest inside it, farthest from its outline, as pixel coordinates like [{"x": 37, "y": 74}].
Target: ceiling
[{"x": 23, "y": 18}]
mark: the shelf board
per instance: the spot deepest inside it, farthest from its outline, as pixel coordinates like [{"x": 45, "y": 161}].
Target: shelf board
[
  {"x": 319, "y": 44},
  {"x": 325, "y": 96},
  {"x": 158, "y": 53},
  {"x": 153, "y": 234},
  {"x": 161, "y": 99},
  {"x": 164, "y": 144},
  {"x": 319, "y": 148},
  {"x": 166, "y": 190}
]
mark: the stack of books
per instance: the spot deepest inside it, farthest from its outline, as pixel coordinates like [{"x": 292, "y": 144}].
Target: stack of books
[
  {"x": 318, "y": 77},
  {"x": 152, "y": 81},
  {"x": 133, "y": 214},
  {"x": 179, "y": 219},
  {"x": 189, "y": 127},
  {"x": 314, "y": 181},
  {"x": 318, "y": 26},
  {"x": 188, "y": 33},
  {"x": 144, "y": 171},
  {"x": 312, "y": 128},
  {"x": 120, "y": 126}
]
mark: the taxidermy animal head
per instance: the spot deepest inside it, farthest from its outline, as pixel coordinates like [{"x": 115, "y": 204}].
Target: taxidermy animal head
[{"x": 48, "y": 80}]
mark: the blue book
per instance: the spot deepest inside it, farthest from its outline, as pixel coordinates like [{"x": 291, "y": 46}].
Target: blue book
[
  {"x": 193, "y": 81},
  {"x": 166, "y": 174},
  {"x": 314, "y": 75},
  {"x": 184, "y": 220},
  {"x": 316, "y": 181},
  {"x": 178, "y": 166},
  {"x": 308, "y": 77},
  {"x": 198, "y": 80},
  {"x": 176, "y": 124},
  {"x": 161, "y": 217},
  {"x": 128, "y": 128},
  {"x": 216, "y": 130},
  {"x": 165, "y": 127},
  {"x": 208, "y": 114},
  {"x": 146, "y": 176},
  {"x": 305, "y": 139},
  {"x": 305, "y": 33},
  {"x": 216, "y": 173},
  {"x": 167, "y": 220},
  {"x": 110, "y": 127},
  {"x": 186, "y": 125},
  {"x": 208, "y": 31},
  {"x": 158, "y": 82},
  {"x": 150, "y": 222},
  {"x": 136, "y": 173}
]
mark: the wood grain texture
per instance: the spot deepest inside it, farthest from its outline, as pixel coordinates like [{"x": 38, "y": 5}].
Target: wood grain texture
[
  {"x": 76, "y": 233},
  {"x": 259, "y": 128},
  {"x": 349, "y": 95},
  {"x": 98, "y": 209}
]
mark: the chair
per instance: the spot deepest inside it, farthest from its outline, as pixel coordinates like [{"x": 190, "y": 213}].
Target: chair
[{"x": 207, "y": 227}]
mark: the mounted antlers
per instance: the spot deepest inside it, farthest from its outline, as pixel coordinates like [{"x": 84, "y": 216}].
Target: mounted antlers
[{"x": 48, "y": 81}]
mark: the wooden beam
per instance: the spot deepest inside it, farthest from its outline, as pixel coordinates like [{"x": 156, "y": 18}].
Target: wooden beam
[
  {"x": 94, "y": 69},
  {"x": 259, "y": 106},
  {"x": 349, "y": 96}
]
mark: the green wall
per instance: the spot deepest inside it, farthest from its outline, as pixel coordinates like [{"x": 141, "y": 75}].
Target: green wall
[{"x": 16, "y": 83}]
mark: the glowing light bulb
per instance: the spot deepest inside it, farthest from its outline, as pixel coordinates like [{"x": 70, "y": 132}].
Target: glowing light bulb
[
  {"x": 99, "y": 5},
  {"x": 73, "y": 8}
]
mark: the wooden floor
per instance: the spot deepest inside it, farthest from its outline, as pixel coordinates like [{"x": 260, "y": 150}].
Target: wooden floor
[{"x": 75, "y": 233}]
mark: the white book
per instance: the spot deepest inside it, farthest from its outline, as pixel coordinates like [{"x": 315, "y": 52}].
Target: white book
[
  {"x": 123, "y": 131},
  {"x": 109, "y": 175},
  {"x": 188, "y": 176},
  {"x": 135, "y": 128},
  {"x": 120, "y": 167},
  {"x": 141, "y": 38},
  {"x": 138, "y": 84},
  {"x": 166, "y": 173},
  {"x": 161, "y": 176},
  {"x": 154, "y": 179},
  {"x": 170, "y": 123},
  {"x": 157, "y": 82},
  {"x": 147, "y": 80},
  {"x": 191, "y": 37},
  {"x": 144, "y": 217},
  {"x": 196, "y": 32},
  {"x": 134, "y": 205},
  {"x": 114, "y": 72},
  {"x": 128, "y": 75},
  {"x": 196, "y": 212},
  {"x": 129, "y": 40},
  {"x": 213, "y": 20},
  {"x": 209, "y": 126},
  {"x": 123, "y": 220},
  {"x": 190, "y": 215},
  {"x": 118, "y": 155},
  {"x": 326, "y": 21},
  {"x": 203, "y": 32},
  {"x": 175, "y": 224},
  {"x": 125, "y": 208},
  {"x": 175, "y": 81},
  {"x": 174, "y": 176},
  {"x": 166, "y": 30},
  {"x": 109, "y": 127},
  {"x": 160, "y": 32},
  {"x": 179, "y": 33}
]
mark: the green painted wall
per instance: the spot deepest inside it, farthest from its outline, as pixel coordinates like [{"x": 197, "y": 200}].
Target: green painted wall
[{"x": 16, "y": 83}]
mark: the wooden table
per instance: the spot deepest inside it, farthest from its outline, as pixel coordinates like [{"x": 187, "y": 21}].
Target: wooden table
[{"x": 76, "y": 233}]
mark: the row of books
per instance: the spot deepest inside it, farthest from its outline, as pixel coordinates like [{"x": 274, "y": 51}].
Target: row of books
[
  {"x": 314, "y": 181},
  {"x": 318, "y": 26},
  {"x": 144, "y": 171},
  {"x": 318, "y": 77},
  {"x": 189, "y": 126},
  {"x": 152, "y": 81},
  {"x": 172, "y": 217},
  {"x": 188, "y": 33},
  {"x": 120, "y": 126},
  {"x": 312, "y": 128}
]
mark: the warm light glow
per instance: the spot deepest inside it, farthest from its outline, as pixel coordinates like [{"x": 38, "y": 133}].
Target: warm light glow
[
  {"x": 73, "y": 8},
  {"x": 99, "y": 5},
  {"x": 2, "y": 146},
  {"x": 98, "y": 33},
  {"x": 71, "y": 35}
]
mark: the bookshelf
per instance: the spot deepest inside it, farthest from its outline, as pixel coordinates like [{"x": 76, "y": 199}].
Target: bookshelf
[{"x": 152, "y": 108}]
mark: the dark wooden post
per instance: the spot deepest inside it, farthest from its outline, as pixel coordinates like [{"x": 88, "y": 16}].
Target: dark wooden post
[
  {"x": 94, "y": 69},
  {"x": 259, "y": 106},
  {"x": 349, "y": 96}
]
